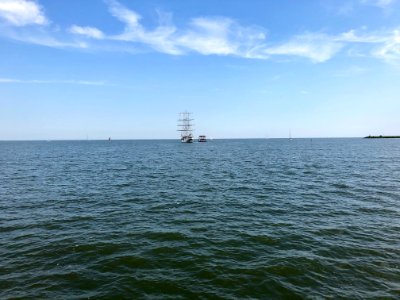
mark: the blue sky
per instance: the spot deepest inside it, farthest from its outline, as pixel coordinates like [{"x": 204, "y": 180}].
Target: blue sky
[{"x": 257, "y": 68}]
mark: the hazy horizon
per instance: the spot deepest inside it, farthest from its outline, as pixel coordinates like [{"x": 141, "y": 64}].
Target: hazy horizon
[{"x": 178, "y": 139}]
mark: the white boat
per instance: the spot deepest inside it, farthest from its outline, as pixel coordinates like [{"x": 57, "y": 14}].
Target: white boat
[
  {"x": 202, "y": 138},
  {"x": 185, "y": 126}
]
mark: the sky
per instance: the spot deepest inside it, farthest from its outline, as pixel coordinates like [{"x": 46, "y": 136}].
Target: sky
[{"x": 245, "y": 69}]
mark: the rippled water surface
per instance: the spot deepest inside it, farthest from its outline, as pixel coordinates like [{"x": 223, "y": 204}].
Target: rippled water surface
[{"x": 227, "y": 219}]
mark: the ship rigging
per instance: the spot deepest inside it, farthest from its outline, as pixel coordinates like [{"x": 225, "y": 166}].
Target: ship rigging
[{"x": 185, "y": 126}]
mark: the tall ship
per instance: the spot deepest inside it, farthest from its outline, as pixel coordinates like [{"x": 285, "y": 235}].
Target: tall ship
[{"x": 185, "y": 126}]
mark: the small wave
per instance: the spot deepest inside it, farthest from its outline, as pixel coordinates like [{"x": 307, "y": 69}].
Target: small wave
[
  {"x": 340, "y": 185},
  {"x": 165, "y": 236}
]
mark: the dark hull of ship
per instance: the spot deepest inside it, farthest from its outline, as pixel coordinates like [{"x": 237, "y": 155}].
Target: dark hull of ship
[{"x": 186, "y": 139}]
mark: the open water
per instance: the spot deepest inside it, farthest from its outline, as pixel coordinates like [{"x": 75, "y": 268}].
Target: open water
[{"x": 227, "y": 219}]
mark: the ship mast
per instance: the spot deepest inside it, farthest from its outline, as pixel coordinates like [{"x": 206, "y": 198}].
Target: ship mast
[{"x": 185, "y": 125}]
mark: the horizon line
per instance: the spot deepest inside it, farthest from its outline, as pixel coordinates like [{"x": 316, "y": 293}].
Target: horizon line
[{"x": 177, "y": 139}]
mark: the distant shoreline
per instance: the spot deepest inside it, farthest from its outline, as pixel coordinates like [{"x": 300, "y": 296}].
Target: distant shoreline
[{"x": 383, "y": 137}]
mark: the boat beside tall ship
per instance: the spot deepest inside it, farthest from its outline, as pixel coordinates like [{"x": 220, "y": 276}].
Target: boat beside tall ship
[
  {"x": 202, "y": 139},
  {"x": 185, "y": 126}
]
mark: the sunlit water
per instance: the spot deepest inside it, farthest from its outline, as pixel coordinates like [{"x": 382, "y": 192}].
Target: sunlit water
[{"x": 225, "y": 219}]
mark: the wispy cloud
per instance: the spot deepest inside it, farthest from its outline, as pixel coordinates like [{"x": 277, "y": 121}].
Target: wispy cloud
[
  {"x": 390, "y": 51},
  {"x": 222, "y": 36},
  {"x": 210, "y": 36},
  {"x": 202, "y": 35},
  {"x": 215, "y": 36},
  {"x": 385, "y": 44},
  {"x": 160, "y": 38},
  {"x": 22, "y": 13},
  {"x": 316, "y": 47},
  {"x": 39, "y": 81},
  {"x": 18, "y": 18},
  {"x": 205, "y": 35},
  {"x": 87, "y": 31},
  {"x": 44, "y": 39}
]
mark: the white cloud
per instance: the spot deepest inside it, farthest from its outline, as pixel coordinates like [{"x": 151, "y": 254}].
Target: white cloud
[
  {"x": 160, "y": 38},
  {"x": 203, "y": 35},
  {"x": 385, "y": 44},
  {"x": 122, "y": 13},
  {"x": 390, "y": 51},
  {"x": 208, "y": 36},
  {"x": 22, "y": 13},
  {"x": 316, "y": 47},
  {"x": 218, "y": 36},
  {"x": 43, "y": 38},
  {"x": 352, "y": 36},
  {"x": 90, "y": 32},
  {"x": 221, "y": 36}
]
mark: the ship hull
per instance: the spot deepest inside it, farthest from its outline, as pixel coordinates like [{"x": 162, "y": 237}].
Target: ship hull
[{"x": 187, "y": 139}]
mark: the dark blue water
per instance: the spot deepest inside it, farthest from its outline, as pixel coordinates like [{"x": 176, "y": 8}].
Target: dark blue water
[{"x": 227, "y": 219}]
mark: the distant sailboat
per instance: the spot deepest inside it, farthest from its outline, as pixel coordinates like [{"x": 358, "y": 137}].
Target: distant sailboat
[{"x": 290, "y": 135}]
